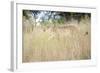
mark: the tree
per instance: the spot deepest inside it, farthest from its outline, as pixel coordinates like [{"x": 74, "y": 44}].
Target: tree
[
  {"x": 25, "y": 14},
  {"x": 35, "y": 13}
]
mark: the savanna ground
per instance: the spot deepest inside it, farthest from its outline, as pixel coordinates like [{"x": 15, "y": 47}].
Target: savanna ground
[{"x": 60, "y": 43}]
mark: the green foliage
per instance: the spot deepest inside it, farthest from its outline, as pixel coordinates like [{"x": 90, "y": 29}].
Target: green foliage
[
  {"x": 53, "y": 18},
  {"x": 25, "y": 13}
]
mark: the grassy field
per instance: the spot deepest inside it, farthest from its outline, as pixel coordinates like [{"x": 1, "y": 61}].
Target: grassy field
[{"x": 70, "y": 42}]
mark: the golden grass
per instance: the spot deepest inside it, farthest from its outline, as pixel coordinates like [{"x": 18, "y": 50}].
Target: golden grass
[{"x": 70, "y": 43}]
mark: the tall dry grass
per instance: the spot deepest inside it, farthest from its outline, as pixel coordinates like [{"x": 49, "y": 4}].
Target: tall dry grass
[{"x": 64, "y": 43}]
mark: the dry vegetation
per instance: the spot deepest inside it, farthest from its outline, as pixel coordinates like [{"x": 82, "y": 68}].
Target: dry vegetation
[{"x": 70, "y": 42}]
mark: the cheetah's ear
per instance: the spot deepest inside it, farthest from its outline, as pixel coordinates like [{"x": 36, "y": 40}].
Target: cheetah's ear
[{"x": 86, "y": 33}]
